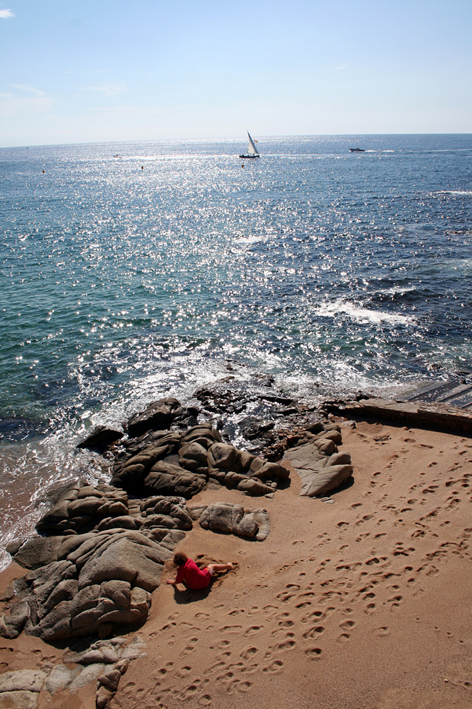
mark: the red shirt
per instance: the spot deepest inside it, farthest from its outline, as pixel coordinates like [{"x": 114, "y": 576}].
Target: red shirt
[{"x": 192, "y": 576}]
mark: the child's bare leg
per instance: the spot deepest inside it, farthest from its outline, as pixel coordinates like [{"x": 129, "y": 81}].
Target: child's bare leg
[{"x": 219, "y": 567}]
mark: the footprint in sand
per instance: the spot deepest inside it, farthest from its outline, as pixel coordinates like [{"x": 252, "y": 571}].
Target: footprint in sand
[
  {"x": 164, "y": 670},
  {"x": 313, "y": 653},
  {"x": 314, "y": 632},
  {"x": 347, "y": 625},
  {"x": 231, "y": 629},
  {"x": 204, "y": 701},
  {"x": 249, "y": 652},
  {"x": 253, "y": 630},
  {"x": 275, "y": 667},
  {"x": 190, "y": 647},
  {"x": 382, "y": 632},
  {"x": 343, "y": 638}
]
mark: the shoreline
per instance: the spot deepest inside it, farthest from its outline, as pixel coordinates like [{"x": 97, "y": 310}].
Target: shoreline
[{"x": 364, "y": 585}]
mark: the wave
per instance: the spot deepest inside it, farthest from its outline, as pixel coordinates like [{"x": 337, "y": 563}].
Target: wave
[
  {"x": 457, "y": 193},
  {"x": 360, "y": 313}
]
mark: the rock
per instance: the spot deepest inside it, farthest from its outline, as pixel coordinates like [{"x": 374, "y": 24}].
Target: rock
[
  {"x": 193, "y": 456},
  {"x": 100, "y": 438},
  {"x": 340, "y": 458},
  {"x": 103, "y": 698},
  {"x": 327, "y": 479},
  {"x": 235, "y": 519},
  {"x": 226, "y": 457},
  {"x": 204, "y": 434},
  {"x": 60, "y": 678},
  {"x": 125, "y": 522},
  {"x": 118, "y": 591},
  {"x": 28, "y": 680},
  {"x": 88, "y": 674},
  {"x": 167, "y": 479},
  {"x": 254, "y": 486},
  {"x": 269, "y": 471},
  {"x": 326, "y": 446},
  {"x": 174, "y": 506},
  {"x": 14, "y": 546},
  {"x": 157, "y": 416},
  {"x": 55, "y": 625},
  {"x": 133, "y": 558},
  {"x": 18, "y": 700},
  {"x": 332, "y": 434},
  {"x": 38, "y": 551},
  {"x": 13, "y": 624},
  {"x": 304, "y": 456},
  {"x": 135, "y": 649},
  {"x": 64, "y": 591},
  {"x": 110, "y": 679}
]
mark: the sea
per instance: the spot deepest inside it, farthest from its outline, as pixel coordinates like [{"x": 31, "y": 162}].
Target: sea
[{"x": 133, "y": 271}]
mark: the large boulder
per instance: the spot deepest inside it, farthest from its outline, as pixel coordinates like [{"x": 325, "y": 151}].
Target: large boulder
[{"x": 128, "y": 557}]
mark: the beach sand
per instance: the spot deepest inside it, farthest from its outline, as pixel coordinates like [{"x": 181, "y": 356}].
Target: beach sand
[{"x": 361, "y": 601}]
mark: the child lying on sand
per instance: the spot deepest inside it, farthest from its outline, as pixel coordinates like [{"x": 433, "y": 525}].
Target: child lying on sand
[{"x": 193, "y": 577}]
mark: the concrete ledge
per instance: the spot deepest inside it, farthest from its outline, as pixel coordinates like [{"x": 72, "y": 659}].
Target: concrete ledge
[{"x": 418, "y": 414}]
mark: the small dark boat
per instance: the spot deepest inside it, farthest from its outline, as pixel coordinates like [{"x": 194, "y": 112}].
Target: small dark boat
[{"x": 357, "y": 150}]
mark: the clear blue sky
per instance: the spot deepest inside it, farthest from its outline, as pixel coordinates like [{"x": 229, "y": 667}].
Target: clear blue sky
[{"x": 73, "y": 72}]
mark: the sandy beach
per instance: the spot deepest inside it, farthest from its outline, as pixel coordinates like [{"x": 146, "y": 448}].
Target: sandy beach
[{"x": 360, "y": 600}]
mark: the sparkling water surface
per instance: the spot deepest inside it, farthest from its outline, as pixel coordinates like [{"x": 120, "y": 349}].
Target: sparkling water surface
[{"x": 136, "y": 270}]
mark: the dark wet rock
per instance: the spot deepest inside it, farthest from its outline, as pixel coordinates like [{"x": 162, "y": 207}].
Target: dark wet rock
[
  {"x": 157, "y": 416},
  {"x": 252, "y": 428},
  {"x": 100, "y": 439}
]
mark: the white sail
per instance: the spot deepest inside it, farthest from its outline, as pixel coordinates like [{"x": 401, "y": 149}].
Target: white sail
[{"x": 251, "y": 149}]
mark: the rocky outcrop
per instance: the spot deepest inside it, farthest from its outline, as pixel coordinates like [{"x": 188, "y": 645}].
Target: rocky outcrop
[
  {"x": 101, "y": 549},
  {"x": 174, "y": 463},
  {"x": 99, "y": 580},
  {"x": 319, "y": 464}
]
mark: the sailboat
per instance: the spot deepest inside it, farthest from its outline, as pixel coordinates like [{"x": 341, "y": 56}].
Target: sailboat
[{"x": 252, "y": 151}]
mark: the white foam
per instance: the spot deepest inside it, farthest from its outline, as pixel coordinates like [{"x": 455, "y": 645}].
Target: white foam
[
  {"x": 457, "y": 193},
  {"x": 360, "y": 314}
]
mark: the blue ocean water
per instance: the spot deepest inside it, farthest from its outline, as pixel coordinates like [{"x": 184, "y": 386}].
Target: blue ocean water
[{"x": 131, "y": 271}]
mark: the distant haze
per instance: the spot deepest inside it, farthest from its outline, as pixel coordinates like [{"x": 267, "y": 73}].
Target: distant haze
[{"x": 113, "y": 71}]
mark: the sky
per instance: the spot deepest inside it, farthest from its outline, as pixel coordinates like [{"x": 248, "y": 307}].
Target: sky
[{"x": 109, "y": 70}]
